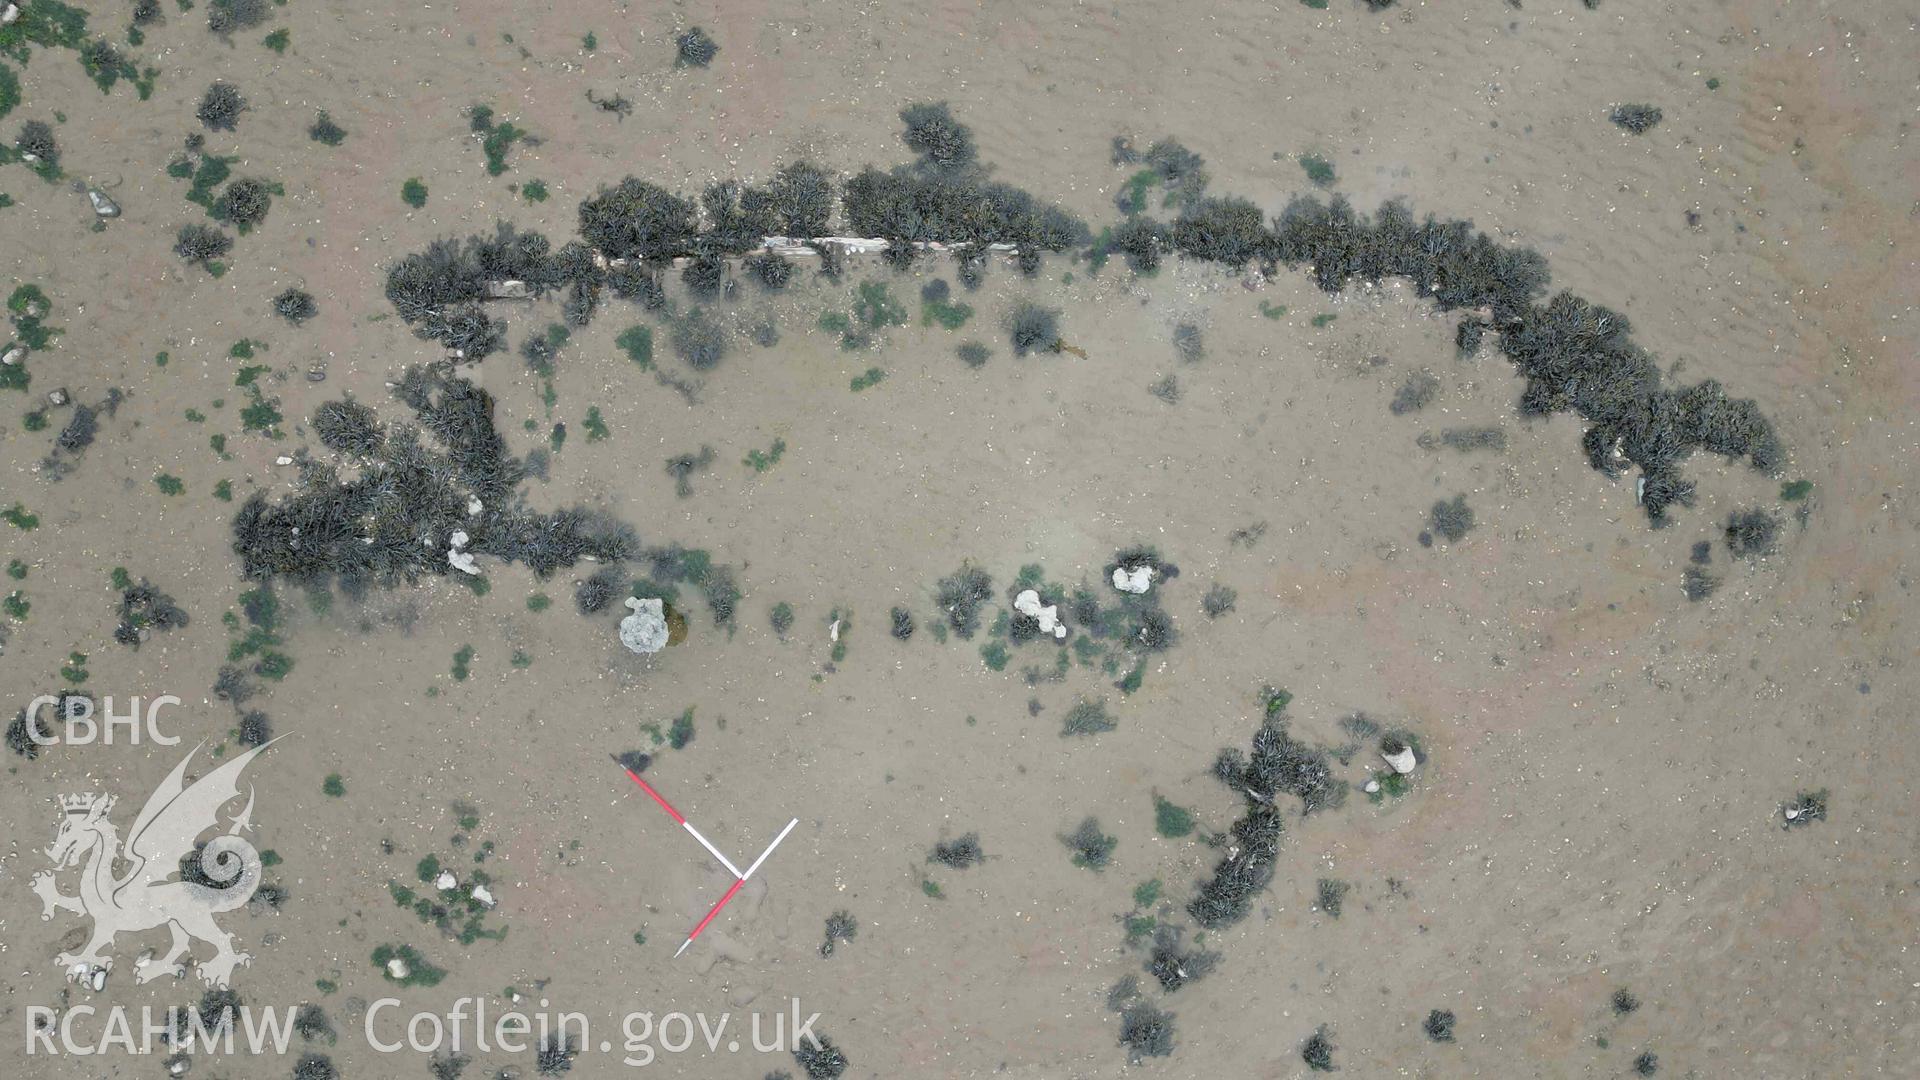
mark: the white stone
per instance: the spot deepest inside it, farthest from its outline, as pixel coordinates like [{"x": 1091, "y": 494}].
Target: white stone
[
  {"x": 1793, "y": 812},
  {"x": 833, "y": 631},
  {"x": 482, "y": 895},
  {"x": 99, "y": 979},
  {"x": 458, "y": 559},
  {"x": 14, "y": 355},
  {"x": 397, "y": 968},
  {"x": 1402, "y": 762},
  {"x": 102, "y": 205},
  {"x": 1137, "y": 580},
  {"x": 474, "y": 506},
  {"x": 283, "y": 460},
  {"x": 1372, "y": 788},
  {"x": 180, "y": 1067},
  {"x": 644, "y": 631},
  {"x": 58, "y": 397},
  {"x": 509, "y": 290},
  {"x": 1028, "y": 604},
  {"x": 11, "y": 15},
  {"x": 446, "y": 881}
]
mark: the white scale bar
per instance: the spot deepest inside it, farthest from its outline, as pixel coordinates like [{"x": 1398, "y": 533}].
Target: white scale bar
[{"x": 714, "y": 851}]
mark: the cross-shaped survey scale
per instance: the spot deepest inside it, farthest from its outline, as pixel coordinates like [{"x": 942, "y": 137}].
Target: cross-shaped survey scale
[{"x": 739, "y": 878}]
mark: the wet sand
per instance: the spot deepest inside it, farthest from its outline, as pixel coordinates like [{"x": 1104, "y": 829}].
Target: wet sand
[{"x": 1607, "y": 761}]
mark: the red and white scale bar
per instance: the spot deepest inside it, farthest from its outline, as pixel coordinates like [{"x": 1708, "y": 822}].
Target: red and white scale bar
[{"x": 739, "y": 879}]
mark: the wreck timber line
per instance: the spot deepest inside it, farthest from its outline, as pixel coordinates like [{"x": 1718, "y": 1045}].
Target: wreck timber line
[{"x": 783, "y": 246}]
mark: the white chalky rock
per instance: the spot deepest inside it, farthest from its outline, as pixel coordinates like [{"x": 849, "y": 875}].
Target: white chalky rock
[
  {"x": 397, "y": 968},
  {"x": 1137, "y": 580},
  {"x": 644, "y": 631},
  {"x": 1402, "y": 762},
  {"x": 1793, "y": 813},
  {"x": 833, "y": 631},
  {"x": 180, "y": 1067},
  {"x": 461, "y": 560},
  {"x": 1028, "y": 604},
  {"x": 446, "y": 881},
  {"x": 9, "y": 15},
  {"x": 1373, "y": 787},
  {"x": 102, "y": 206},
  {"x": 482, "y": 895},
  {"x": 283, "y": 460},
  {"x": 474, "y": 506},
  {"x": 14, "y": 355}
]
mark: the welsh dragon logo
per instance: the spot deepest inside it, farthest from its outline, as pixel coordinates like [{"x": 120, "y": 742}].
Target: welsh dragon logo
[{"x": 160, "y": 886}]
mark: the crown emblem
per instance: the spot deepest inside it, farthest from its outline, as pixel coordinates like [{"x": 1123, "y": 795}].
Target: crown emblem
[{"x": 80, "y": 804}]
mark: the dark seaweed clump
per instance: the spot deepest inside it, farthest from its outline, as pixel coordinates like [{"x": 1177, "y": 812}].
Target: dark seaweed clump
[
  {"x": 902, "y": 624},
  {"x": 944, "y": 198},
  {"x": 348, "y": 427},
  {"x": 296, "y": 306},
  {"x": 1452, "y": 519},
  {"x": 1035, "y": 329},
  {"x": 1439, "y": 1025},
  {"x": 226, "y": 16},
  {"x": 36, "y": 138},
  {"x": 695, "y": 48},
  {"x": 1415, "y": 394},
  {"x": 840, "y": 927},
  {"x": 1091, "y": 848},
  {"x": 391, "y": 521},
  {"x": 201, "y": 244},
  {"x": 593, "y": 595},
  {"x": 220, "y": 109},
  {"x": 245, "y": 202},
  {"x": 958, "y": 854},
  {"x": 699, "y": 340},
  {"x": 1575, "y": 356},
  {"x": 80, "y": 430},
  {"x": 1146, "y": 1032},
  {"x": 1277, "y": 763},
  {"x": 961, "y": 596},
  {"x": 943, "y": 143},
  {"x": 1173, "y": 964},
  {"x": 1751, "y": 533},
  {"x": 555, "y": 1055},
  {"x": 255, "y": 728},
  {"x": 1318, "y": 1051},
  {"x": 144, "y": 609},
  {"x": 1638, "y": 119},
  {"x": 819, "y": 1058},
  {"x": 1173, "y": 168}
]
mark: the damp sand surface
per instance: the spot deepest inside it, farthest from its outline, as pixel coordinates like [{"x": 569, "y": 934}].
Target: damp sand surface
[{"x": 1606, "y": 761}]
